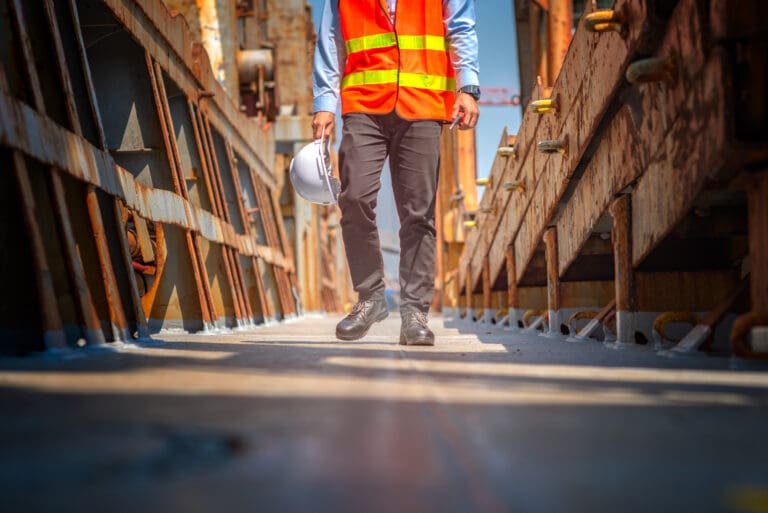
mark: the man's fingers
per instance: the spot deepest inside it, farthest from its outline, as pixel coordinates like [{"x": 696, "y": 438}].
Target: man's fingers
[
  {"x": 469, "y": 121},
  {"x": 322, "y": 120}
]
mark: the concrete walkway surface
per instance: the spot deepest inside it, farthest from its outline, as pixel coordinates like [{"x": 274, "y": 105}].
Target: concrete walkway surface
[{"x": 288, "y": 419}]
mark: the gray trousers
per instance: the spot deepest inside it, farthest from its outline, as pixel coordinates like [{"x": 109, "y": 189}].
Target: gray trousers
[{"x": 413, "y": 148}]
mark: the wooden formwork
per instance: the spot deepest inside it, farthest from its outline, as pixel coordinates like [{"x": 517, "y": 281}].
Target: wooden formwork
[
  {"x": 140, "y": 197},
  {"x": 625, "y": 186}
]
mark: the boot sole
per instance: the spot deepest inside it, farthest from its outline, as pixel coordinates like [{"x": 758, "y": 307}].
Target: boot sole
[
  {"x": 421, "y": 341},
  {"x": 378, "y": 319}
]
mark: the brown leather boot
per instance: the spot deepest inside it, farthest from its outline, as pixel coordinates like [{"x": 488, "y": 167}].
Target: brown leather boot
[
  {"x": 361, "y": 318},
  {"x": 414, "y": 330}
]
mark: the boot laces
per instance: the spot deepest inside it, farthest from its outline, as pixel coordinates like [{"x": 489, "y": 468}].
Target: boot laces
[
  {"x": 361, "y": 307},
  {"x": 417, "y": 317}
]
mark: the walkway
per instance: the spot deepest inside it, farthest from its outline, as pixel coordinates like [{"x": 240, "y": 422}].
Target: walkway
[{"x": 287, "y": 419}]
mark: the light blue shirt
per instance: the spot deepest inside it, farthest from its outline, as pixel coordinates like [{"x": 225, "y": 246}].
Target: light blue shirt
[{"x": 331, "y": 55}]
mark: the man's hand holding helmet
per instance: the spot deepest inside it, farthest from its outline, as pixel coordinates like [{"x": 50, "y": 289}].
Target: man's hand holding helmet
[{"x": 323, "y": 120}]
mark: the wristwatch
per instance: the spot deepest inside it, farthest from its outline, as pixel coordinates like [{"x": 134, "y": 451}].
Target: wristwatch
[{"x": 472, "y": 90}]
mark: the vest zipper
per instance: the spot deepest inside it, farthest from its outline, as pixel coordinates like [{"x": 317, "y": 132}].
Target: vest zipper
[{"x": 397, "y": 45}]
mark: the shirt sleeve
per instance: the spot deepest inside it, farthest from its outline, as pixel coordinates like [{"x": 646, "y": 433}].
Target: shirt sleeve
[
  {"x": 329, "y": 60},
  {"x": 459, "y": 19}
]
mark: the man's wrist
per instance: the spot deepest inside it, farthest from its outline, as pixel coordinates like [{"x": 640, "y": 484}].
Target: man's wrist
[{"x": 472, "y": 90}]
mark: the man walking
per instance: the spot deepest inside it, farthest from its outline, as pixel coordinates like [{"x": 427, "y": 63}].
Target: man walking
[{"x": 401, "y": 68}]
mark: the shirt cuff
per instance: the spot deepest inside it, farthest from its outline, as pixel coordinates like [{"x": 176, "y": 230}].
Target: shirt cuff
[
  {"x": 465, "y": 77},
  {"x": 326, "y": 103}
]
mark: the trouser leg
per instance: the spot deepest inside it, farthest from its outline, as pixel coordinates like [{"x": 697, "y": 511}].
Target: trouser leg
[
  {"x": 361, "y": 157},
  {"x": 414, "y": 161}
]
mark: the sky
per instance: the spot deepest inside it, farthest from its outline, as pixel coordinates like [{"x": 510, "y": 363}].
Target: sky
[{"x": 498, "y": 68}]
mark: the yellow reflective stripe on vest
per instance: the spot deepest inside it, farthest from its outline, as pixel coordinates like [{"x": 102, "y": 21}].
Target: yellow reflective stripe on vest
[
  {"x": 389, "y": 76},
  {"x": 422, "y": 43},
  {"x": 433, "y": 82},
  {"x": 369, "y": 42},
  {"x": 405, "y": 42}
]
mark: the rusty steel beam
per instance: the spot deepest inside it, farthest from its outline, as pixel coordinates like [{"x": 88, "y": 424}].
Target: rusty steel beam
[
  {"x": 188, "y": 65},
  {"x": 76, "y": 276},
  {"x": 269, "y": 222},
  {"x": 757, "y": 204},
  {"x": 177, "y": 176},
  {"x": 141, "y": 319},
  {"x": 58, "y": 144},
  {"x": 76, "y": 156},
  {"x": 559, "y": 26},
  {"x": 486, "y": 282},
  {"x": 116, "y": 312},
  {"x": 651, "y": 121},
  {"x": 584, "y": 90},
  {"x": 554, "y": 289},
  {"x": 82, "y": 293},
  {"x": 51, "y": 323},
  {"x": 626, "y": 297},
  {"x": 513, "y": 293}
]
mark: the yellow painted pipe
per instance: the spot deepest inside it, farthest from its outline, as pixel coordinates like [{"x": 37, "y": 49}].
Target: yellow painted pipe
[
  {"x": 545, "y": 105},
  {"x": 604, "y": 20}
]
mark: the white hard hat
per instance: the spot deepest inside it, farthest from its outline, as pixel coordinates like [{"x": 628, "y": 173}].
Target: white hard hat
[{"x": 311, "y": 173}]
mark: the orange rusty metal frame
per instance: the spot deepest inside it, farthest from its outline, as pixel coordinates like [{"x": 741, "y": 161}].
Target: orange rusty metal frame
[
  {"x": 164, "y": 116},
  {"x": 29, "y": 133},
  {"x": 169, "y": 41},
  {"x": 583, "y": 100},
  {"x": 660, "y": 145},
  {"x": 77, "y": 157}
]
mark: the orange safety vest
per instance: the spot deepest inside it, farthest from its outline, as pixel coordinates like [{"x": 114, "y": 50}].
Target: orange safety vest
[{"x": 405, "y": 67}]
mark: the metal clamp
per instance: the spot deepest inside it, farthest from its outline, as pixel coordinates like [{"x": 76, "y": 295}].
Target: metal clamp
[
  {"x": 507, "y": 151},
  {"x": 484, "y": 181},
  {"x": 742, "y": 326},
  {"x": 579, "y": 316},
  {"x": 488, "y": 209},
  {"x": 654, "y": 69},
  {"x": 667, "y": 318},
  {"x": 604, "y": 20},
  {"x": 545, "y": 105},
  {"x": 530, "y": 314},
  {"x": 517, "y": 185},
  {"x": 553, "y": 146}
]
